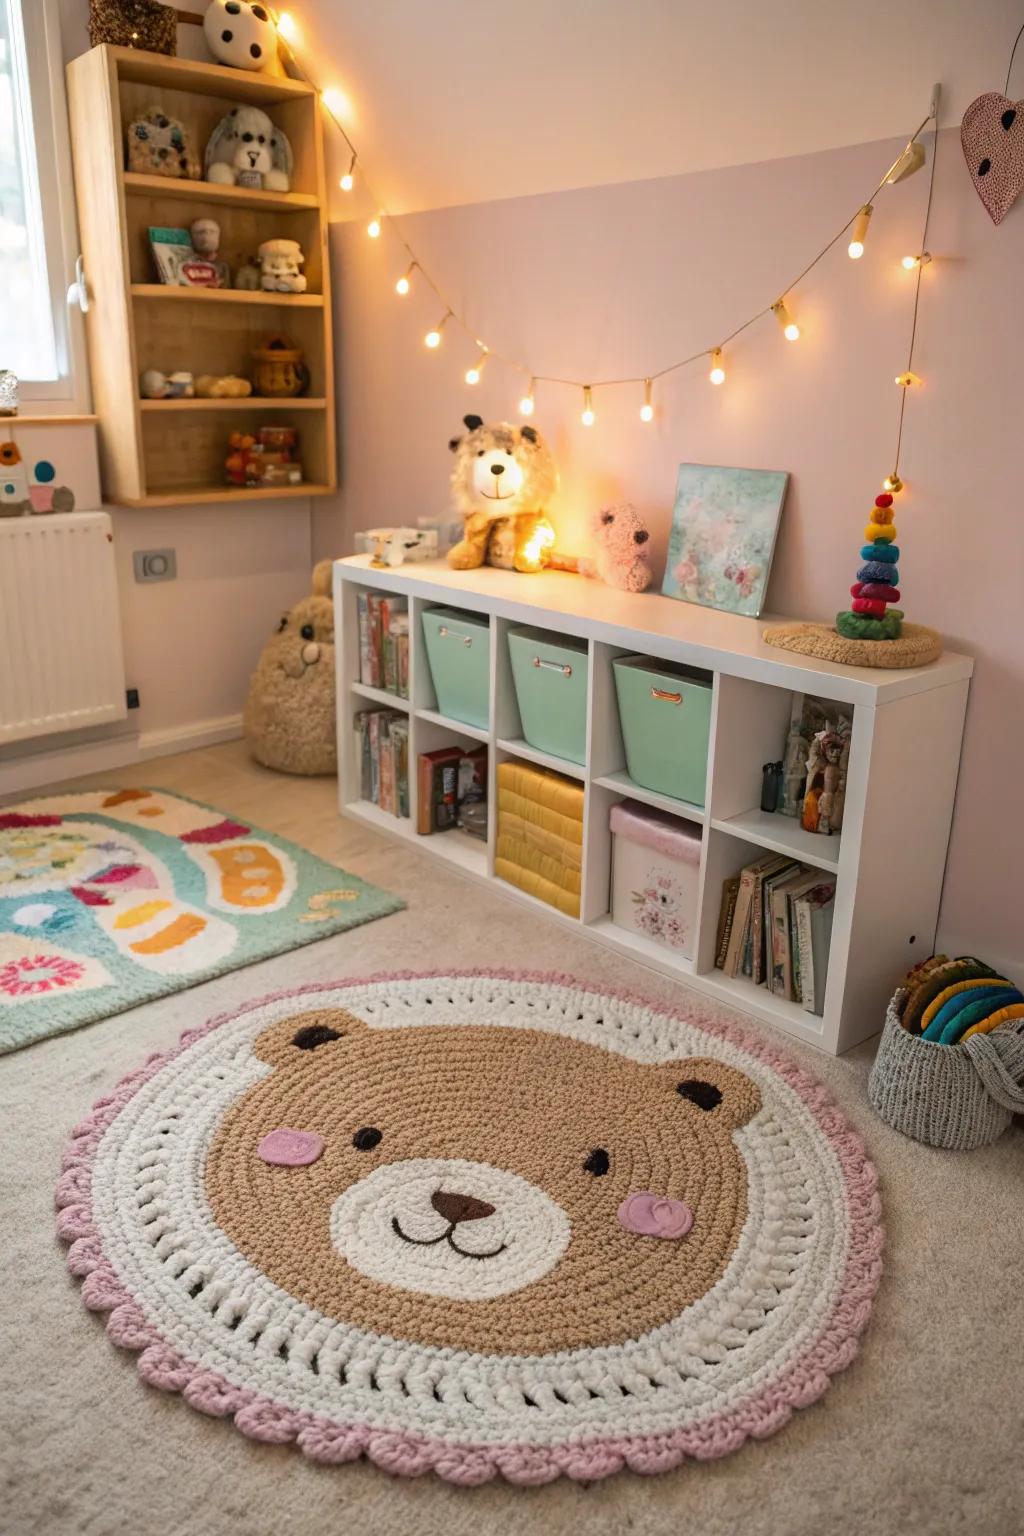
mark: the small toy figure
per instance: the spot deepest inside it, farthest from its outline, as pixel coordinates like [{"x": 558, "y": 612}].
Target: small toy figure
[
  {"x": 771, "y": 784},
  {"x": 392, "y": 545},
  {"x": 280, "y": 261},
  {"x": 167, "y": 386},
  {"x": 280, "y": 370},
  {"x": 267, "y": 459},
  {"x": 826, "y": 783},
  {"x": 247, "y": 276},
  {"x": 619, "y": 537},
  {"x": 240, "y": 34},
  {"x": 246, "y": 150},
  {"x": 206, "y": 244}
]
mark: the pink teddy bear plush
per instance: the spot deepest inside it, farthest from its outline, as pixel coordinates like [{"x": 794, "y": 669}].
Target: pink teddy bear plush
[{"x": 619, "y": 537}]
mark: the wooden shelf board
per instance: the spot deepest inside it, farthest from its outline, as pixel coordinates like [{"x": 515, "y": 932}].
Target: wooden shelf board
[
  {"x": 25, "y": 419},
  {"x": 458, "y": 727},
  {"x": 248, "y": 403},
  {"x": 759, "y": 999},
  {"x": 380, "y": 696},
  {"x": 171, "y": 292},
  {"x": 194, "y": 496},
  {"x": 517, "y": 747},
  {"x": 782, "y": 834},
  {"x": 138, "y": 185},
  {"x": 621, "y": 781},
  {"x": 254, "y": 86}
]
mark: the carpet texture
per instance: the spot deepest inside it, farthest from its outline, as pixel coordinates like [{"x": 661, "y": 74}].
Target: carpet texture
[
  {"x": 111, "y": 897},
  {"x": 477, "y": 1224},
  {"x": 84, "y": 1451}
]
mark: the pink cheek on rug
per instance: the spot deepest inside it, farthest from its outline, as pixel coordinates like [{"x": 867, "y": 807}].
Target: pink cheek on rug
[
  {"x": 655, "y": 1215},
  {"x": 290, "y": 1149}
]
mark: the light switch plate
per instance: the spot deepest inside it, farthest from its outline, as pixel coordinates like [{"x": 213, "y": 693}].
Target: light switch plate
[{"x": 154, "y": 564}]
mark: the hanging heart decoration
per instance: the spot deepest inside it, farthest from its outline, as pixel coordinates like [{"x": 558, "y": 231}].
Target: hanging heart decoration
[{"x": 992, "y": 136}]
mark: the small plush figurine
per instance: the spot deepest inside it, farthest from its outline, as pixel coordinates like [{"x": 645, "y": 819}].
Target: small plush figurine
[
  {"x": 240, "y": 34},
  {"x": 224, "y": 386},
  {"x": 620, "y": 560},
  {"x": 280, "y": 261},
  {"x": 167, "y": 386},
  {"x": 503, "y": 480},
  {"x": 159, "y": 145},
  {"x": 289, "y": 713},
  {"x": 246, "y": 150}
]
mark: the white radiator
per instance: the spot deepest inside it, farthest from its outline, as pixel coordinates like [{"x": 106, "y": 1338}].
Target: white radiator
[{"x": 61, "y": 661}]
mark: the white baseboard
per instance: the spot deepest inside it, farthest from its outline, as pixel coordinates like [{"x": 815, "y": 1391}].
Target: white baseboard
[{"x": 40, "y": 769}]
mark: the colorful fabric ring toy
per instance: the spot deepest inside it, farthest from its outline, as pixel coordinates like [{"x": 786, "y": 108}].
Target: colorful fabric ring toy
[
  {"x": 869, "y": 605},
  {"x": 880, "y": 590},
  {"x": 887, "y": 553},
  {"x": 951, "y": 992},
  {"x": 877, "y": 570},
  {"x": 949, "y": 1023},
  {"x": 885, "y": 532},
  {"x": 978, "y": 1014}
]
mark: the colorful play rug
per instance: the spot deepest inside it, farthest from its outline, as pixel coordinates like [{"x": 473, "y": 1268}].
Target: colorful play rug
[
  {"x": 477, "y": 1224},
  {"x": 112, "y": 897}
]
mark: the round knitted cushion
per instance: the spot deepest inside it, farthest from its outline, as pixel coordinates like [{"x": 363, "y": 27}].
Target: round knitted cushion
[{"x": 477, "y": 1224}]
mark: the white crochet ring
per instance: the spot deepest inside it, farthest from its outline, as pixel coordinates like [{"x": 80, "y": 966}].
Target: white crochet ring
[{"x": 477, "y": 1223}]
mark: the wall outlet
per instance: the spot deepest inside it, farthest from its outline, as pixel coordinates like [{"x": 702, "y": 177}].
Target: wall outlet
[
  {"x": 155, "y": 564},
  {"x": 131, "y": 698}
]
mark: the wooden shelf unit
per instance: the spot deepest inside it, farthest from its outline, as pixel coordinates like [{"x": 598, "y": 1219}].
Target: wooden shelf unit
[
  {"x": 135, "y": 323},
  {"x": 889, "y": 860}
]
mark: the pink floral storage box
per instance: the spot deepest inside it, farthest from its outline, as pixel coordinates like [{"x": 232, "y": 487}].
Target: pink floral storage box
[{"x": 655, "y": 865}]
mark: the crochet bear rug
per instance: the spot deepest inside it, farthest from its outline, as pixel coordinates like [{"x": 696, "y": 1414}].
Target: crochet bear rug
[{"x": 477, "y": 1224}]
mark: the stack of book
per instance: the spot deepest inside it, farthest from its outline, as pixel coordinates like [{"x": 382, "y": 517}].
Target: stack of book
[
  {"x": 382, "y": 742},
  {"x": 384, "y": 642},
  {"x": 775, "y": 926},
  {"x": 452, "y": 791}
]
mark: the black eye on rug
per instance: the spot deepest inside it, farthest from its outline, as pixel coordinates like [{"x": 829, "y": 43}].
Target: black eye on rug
[
  {"x": 313, "y": 1035},
  {"x": 597, "y": 1163},
  {"x": 704, "y": 1095},
  {"x": 366, "y": 1139}
]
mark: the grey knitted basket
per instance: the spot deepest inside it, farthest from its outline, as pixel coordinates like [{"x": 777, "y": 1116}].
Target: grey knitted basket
[{"x": 954, "y": 1096}]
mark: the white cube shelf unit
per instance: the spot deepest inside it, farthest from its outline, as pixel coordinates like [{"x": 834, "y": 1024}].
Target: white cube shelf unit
[{"x": 901, "y": 783}]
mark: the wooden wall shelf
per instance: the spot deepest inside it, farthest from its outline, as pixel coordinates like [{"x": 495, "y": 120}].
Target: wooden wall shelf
[{"x": 135, "y": 323}]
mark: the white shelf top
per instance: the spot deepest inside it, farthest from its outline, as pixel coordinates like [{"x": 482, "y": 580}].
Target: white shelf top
[{"x": 646, "y": 621}]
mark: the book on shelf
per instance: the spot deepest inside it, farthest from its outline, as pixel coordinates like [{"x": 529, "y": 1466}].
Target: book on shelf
[
  {"x": 382, "y": 748},
  {"x": 384, "y": 642},
  {"x": 452, "y": 791},
  {"x": 775, "y": 927}
]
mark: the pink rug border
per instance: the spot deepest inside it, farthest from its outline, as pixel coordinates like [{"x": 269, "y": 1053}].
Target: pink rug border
[{"x": 322, "y": 1440}]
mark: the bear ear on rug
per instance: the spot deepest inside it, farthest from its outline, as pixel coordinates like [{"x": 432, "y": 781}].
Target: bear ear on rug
[
  {"x": 711, "y": 1090},
  {"x": 301, "y": 1037}
]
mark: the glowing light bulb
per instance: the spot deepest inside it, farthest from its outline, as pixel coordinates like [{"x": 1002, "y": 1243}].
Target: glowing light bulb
[
  {"x": 526, "y": 403},
  {"x": 404, "y": 282},
  {"x": 717, "y": 374},
  {"x": 587, "y": 414},
  {"x": 855, "y": 249},
  {"x": 373, "y": 229},
  {"x": 433, "y": 338},
  {"x": 336, "y": 102},
  {"x": 473, "y": 373},
  {"x": 892, "y": 483},
  {"x": 790, "y": 329},
  {"x": 647, "y": 409},
  {"x": 287, "y": 26},
  {"x": 348, "y": 181},
  {"x": 910, "y": 262}
]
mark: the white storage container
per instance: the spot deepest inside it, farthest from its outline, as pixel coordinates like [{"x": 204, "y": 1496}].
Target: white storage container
[{"x": 655, "y": 863}]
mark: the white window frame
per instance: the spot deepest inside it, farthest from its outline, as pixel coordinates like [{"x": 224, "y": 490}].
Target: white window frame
[{"x": 68, "y": 394}]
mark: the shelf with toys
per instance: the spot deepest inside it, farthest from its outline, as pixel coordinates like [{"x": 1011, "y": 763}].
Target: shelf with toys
[{"x": 205, "y": 188}]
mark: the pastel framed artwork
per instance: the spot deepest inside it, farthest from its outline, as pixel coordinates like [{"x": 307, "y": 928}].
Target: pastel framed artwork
[{"x": 724, "y": 526}]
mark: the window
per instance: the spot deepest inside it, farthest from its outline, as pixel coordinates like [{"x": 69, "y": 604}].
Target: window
[{"x": 39, "y": 340}]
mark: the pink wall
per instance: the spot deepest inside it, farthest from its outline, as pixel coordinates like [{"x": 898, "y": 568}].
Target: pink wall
[{"x": 625, "y": 279}]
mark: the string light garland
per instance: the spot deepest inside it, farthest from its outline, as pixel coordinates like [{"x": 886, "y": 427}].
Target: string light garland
[
  {"x": 348, "y": 181},
  {"x": 473, "y": 373},
  {"x": 910, "y": 160},
  {"x": 405, "y": 281}
]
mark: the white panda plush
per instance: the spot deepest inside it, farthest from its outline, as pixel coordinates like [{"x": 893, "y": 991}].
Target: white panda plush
[
  {"x": 240, "y": 34},
  {"x": 246, "y": 149}
]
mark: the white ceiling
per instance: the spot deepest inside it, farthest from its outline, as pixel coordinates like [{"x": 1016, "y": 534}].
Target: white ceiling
[{"x": 460, "y": 101}]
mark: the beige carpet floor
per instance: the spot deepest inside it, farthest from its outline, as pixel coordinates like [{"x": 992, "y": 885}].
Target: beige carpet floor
[{"x": 922, "y": 1435}]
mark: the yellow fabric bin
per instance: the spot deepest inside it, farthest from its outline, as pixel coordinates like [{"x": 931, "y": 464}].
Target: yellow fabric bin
[{"x": 540, "y": 834}]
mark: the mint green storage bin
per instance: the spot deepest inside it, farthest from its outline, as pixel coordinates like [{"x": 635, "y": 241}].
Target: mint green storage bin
[
  {"x": 459, "y": 651},
  {"x": 665, "y": 713},
  {"x": 550, "y": 674}
]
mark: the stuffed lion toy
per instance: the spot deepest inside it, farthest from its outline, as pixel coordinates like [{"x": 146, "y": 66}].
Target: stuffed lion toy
[
  {"x": 503, "y": 480},
  {"x": 289, "y": 713}
]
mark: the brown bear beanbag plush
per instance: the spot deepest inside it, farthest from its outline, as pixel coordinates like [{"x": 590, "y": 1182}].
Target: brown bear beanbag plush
[{"x": 289, "y": 713}]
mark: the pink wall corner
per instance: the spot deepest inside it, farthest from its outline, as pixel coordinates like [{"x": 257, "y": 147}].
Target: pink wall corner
[{"x": 624, "y": 280}]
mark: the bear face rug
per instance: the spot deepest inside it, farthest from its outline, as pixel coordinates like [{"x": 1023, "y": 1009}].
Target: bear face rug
[{"x": 477, "y": 1224}]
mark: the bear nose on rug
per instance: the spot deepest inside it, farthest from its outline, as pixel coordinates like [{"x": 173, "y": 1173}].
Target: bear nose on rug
[
  {"x": 497, "y": 469},
  {"x": 456, "y": 1208}
]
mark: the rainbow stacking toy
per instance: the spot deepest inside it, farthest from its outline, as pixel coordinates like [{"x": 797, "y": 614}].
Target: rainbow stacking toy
[{"x": 869, "y": 616}]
